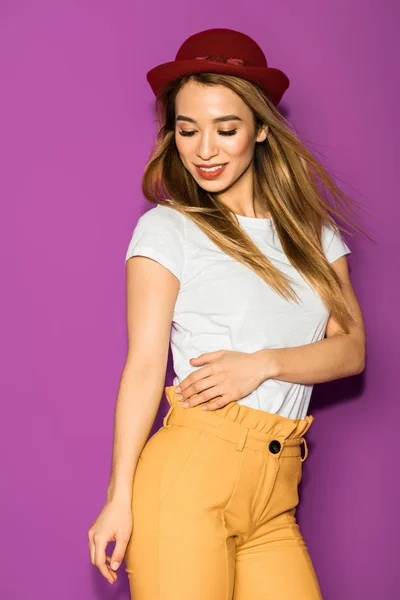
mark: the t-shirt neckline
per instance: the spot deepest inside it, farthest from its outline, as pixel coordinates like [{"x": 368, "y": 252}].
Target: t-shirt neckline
[{"x": 257, "y": 222}]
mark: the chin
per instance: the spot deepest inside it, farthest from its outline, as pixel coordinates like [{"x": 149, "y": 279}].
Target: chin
[
  {"x": 214, "y": 187},
  {"x": 219, "y": 187}
]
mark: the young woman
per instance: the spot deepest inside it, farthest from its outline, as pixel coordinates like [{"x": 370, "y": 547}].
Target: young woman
[{"x": 242, "y": 267}]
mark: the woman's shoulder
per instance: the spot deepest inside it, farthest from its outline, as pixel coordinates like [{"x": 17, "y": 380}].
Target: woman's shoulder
[
  {"x": 162, "y": 217},
  {"x": 159, "y": 235},
  {"x": 162, "y": 213},
  {"x": 333, "y": 243}
]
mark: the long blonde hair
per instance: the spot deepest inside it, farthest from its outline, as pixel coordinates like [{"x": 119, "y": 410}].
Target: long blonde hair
[{"x": 285, "y": 181}]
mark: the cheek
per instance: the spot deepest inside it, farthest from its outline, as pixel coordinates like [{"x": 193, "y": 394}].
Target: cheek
[
  {"x": 183, "y": 147},
  {"x": 241, "y": 148},
  {"x": 183, "y": 143}
]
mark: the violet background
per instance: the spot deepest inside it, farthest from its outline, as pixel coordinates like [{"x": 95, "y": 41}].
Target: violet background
[{"x": 77, "y": 125}]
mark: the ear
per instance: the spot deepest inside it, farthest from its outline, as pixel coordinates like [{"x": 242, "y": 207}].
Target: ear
[{"x": 262, "y": 134}]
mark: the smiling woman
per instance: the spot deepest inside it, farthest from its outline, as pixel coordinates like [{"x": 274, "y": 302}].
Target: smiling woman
[
  {"x": 241, "y": 268},
  {"x": 213, "y": 137},
  {"x": 228, "y": 137}
]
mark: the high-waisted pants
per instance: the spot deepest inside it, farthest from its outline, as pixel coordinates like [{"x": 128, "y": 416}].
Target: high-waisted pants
[{"x": 213, "y": 502}]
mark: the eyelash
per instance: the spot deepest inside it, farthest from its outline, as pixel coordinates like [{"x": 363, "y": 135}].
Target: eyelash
[{"x": 190, "y": 133}]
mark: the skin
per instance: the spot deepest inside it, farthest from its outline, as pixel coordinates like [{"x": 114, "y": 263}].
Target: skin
[
  {"x": 151, "y": 294},
  {"x": 207, "y": 143}
]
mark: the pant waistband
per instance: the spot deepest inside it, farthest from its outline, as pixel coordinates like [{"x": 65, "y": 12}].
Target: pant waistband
[{"x": 241, "y": 436}]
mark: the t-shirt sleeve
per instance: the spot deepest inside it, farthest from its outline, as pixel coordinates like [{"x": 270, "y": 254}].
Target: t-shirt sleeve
[
  {"x": 333, "y": 244},
  {"x": 158, "y": 234}
]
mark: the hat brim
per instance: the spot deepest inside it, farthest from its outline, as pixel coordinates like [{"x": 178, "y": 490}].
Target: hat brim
[{"x": 272, "y": 81}]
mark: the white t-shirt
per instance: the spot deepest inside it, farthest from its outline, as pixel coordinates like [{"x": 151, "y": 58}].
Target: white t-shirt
[{"x": 224, "y": 305}]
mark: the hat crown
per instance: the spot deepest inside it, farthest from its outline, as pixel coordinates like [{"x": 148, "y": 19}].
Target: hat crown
[{"x": 222, "y": 43}]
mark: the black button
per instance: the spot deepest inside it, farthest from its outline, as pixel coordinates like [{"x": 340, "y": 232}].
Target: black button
[{"x": 274, "y": 446}]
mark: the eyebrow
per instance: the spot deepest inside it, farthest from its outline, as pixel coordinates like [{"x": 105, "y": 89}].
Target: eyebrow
[{"x": 216, "y": 120}]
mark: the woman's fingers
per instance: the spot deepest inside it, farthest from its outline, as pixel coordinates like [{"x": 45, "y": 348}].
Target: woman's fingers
[
  {"x": 119, "y": 552},
  {"x": 100, "y": 545},
  {"x": 214, "y": 392},
  {"x": 197, "y": 382},
  {"x": 113, "y": 524},
  {"x": 108, "y": 559},
  {"x": 222, "y": 401}
]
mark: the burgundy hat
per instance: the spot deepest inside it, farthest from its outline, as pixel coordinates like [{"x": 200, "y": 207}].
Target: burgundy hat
[{"x": 222, "y": 51}]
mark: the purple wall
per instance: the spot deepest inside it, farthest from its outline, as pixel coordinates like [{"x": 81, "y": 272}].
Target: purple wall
[{"x": 77, "y": 127}]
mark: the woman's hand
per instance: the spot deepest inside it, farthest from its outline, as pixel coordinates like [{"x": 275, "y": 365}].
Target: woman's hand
[
  {"x": 114, "y": 523},
  {"x": 228, "y": 376}
]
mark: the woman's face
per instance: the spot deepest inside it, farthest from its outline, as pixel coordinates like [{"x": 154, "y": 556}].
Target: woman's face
[{"x": 214, "y": 128}]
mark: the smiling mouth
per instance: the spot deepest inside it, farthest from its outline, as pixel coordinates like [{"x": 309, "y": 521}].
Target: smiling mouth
[{"x": 212, "y": 169}]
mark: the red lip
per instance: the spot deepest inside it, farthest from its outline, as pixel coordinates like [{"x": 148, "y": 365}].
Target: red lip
[
  {"x": 210, "y": 166},
  {"x": 211, "y": 174}
]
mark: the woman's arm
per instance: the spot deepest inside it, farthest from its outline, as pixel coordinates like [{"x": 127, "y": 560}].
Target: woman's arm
[
  {"x": 151, "y": 295},
  {"x": 339, "y": 355}
]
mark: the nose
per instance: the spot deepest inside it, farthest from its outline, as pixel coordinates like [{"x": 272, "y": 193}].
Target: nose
[{"x": 207, "y": 147}]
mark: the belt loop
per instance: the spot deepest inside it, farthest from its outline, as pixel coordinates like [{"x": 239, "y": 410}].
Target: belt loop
[
  {"x": 305, "y": 449},
  {"x": 242, "y": 441},
  {"x": 165, "y": 420}
]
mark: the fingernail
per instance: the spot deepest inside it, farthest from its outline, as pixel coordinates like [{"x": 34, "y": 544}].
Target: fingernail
[
  {"x": 185, "y": 404},
  {"x": 179, "y": 396},
  {"x": 178, "y": 389},
  {"x": 204, "y": 408},
  {"x": 115, "y": 565}
]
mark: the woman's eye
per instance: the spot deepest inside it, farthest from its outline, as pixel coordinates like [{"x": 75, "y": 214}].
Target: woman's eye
[
  {"x": 190, "y": 133},
  {"x": 231, "y": 132}
]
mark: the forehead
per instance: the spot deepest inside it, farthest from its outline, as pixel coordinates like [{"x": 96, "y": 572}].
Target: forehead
[{"x": 209, "y": 101}]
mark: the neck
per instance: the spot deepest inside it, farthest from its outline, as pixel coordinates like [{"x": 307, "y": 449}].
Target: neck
[{"x": 240, "y": 199}]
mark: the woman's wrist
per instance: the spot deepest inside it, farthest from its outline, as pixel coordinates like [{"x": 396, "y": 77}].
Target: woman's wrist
[
  {"x": 267, "y": 363},
  {"x": 121, "y": 493}
]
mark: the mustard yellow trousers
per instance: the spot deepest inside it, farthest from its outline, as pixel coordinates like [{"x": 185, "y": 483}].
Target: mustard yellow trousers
[{"x": 213, "y": 503}]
